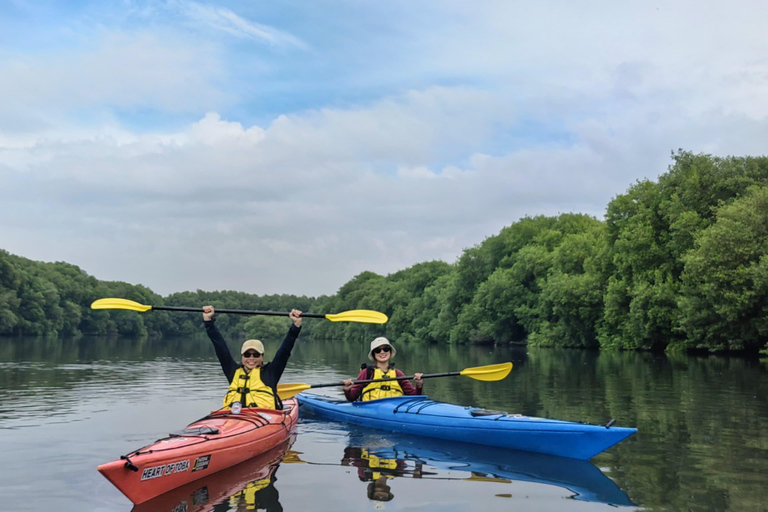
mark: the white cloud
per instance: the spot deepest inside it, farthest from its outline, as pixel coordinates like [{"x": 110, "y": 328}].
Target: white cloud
[
  {"x": 124, "y": 70},
  {"x": 559, "y": 107},
  {"x": 212, "y": 131},
  {"x": 416, "y": 173},
  {"x": 220, "y": 18},
  {"x": 299, "y": 206}
]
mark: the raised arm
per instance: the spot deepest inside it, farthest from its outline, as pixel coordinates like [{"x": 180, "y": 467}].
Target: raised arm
[
  {"x": 227, "y": 362},
  {"x": 274, "y": 370}
]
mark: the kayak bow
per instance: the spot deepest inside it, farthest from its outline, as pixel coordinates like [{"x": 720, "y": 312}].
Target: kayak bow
[
  {"x": 204, "y": 494},
  {"x": 211, "y": 444}
]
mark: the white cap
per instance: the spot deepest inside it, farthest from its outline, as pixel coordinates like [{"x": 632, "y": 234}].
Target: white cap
[{"x": 378, "y": 342}]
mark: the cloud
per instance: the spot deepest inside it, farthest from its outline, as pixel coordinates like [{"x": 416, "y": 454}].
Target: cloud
[
  {"x": 119, "y": 70},
  {"x": 425, "y": 139},
  {"x": 224, "y": 20},
  {"x": 303, "y": 204}
]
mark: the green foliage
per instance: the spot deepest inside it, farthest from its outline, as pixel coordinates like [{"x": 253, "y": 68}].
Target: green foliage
[
  {"x": 410, "y": 298},
  {"x": 570, "y": 304},
  {"x": 237, "y": 326},
  {"x": 724, "y": 301},
  {"x": 266, "y": 327},
  {"x": 42, "y": 298},
  {"x": 49, "y": 299},
  {"x": 547, "y": 278},
  {"x": 650, "y": 230},
  {"x": 678, "y": 264}
]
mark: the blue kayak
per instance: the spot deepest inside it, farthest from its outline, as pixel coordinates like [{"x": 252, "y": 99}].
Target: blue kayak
[{"x": 418, "y": 415}]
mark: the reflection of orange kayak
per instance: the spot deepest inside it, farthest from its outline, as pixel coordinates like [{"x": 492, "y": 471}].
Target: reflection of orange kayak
[
  {"x": 211, "y": 444},
  {"x": 203, "y": 494}
]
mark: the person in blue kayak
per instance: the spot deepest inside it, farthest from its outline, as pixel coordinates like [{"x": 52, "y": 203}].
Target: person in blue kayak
[
  {"x": 381, "y": 353},
  {"x": 252, "y": 383}
]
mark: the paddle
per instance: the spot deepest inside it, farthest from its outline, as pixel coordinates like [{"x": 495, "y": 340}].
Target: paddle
[
  {"x": 358, "y": 315},
  {"x": 490, "y": 373}
]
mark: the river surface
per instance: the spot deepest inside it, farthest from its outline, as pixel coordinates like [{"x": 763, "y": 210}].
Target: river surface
[{"x": 67, "y": 406}]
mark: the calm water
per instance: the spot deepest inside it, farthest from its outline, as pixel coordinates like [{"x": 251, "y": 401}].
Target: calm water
[{"x": 66, "y": 407}]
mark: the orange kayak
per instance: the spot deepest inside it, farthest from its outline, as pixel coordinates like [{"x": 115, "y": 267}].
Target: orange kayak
[
  {"x": 234, "y": 484},
  {"x": 207, "y": 446}
]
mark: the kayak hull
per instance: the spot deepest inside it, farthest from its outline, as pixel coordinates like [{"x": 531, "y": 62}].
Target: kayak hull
[
  {"x": 418, "y": 415},
  {"x": 207, "y": 446},
  {"x": 202, "y": 495}
]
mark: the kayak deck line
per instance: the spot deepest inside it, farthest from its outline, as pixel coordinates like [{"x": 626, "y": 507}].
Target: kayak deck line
[
  {"x": 427, "y": 402},
  {"x": 419, "y": 415},
  {"x": 203, "y": 437}
]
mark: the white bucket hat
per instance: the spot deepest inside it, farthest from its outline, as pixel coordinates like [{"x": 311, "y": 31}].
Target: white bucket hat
[{"x": 378, "y": 342}]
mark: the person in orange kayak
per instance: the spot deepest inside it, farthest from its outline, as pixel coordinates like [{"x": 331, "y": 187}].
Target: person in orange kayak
[
  {"x": 252, "y": 383},
  {"x": 381, "y": 353}
]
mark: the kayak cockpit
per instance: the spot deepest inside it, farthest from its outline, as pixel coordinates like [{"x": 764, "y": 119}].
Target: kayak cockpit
[{"x": 199, "y": 431}]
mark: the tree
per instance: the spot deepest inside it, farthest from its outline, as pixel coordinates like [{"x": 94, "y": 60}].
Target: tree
[
  {"x": 724, "y": 301},
  {"x": 650, "y": 230}
]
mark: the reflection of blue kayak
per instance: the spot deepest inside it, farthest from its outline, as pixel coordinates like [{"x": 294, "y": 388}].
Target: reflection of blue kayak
[
  {"x": 581, "y": 477},
  {"x": 421, "y": 416}
]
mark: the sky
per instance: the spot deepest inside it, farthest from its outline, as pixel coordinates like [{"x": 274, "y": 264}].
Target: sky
[{"x": 286, "y": 146}]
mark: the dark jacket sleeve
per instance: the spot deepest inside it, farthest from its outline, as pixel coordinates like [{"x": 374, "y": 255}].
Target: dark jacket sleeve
[
  {"x": 408, "y": 388},
  {"x": 354, "y": 392},
  {"x": 227, "y": 362},
  {"x": 272, "y": 371}
]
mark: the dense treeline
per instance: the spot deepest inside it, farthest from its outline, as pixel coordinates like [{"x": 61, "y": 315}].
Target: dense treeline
[
  {"x": 679, "y": 263},
  {"x": 53, "y": 298},
  {"x": 50, "y": 299}
]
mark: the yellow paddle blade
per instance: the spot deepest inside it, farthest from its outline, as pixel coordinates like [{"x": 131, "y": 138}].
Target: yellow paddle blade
[
  {"x": 289, "y": 390},
  {"x": 119, "y": 304},
  {"x": 489, "y": 373},
  {"x": 359, "y": 315}
]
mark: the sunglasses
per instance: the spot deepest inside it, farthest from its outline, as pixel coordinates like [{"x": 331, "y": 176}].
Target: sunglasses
[
  {"x": 252, "y": 354},
  {"x": 381, "y": 349}
]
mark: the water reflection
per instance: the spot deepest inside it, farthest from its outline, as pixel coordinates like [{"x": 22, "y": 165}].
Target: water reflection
[
  {"x": 247, "y": 486},
  {"x": 382, "y": 458},
  {"x": 703, "y": 421}
]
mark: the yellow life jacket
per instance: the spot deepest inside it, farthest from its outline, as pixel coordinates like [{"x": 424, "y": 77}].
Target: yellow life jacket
[
  {"x": 376, "y": 390},
  {"x": 247, "y": 496},
  {"x": 376, "y": 463},
  {"x": 249, "y": 390}
]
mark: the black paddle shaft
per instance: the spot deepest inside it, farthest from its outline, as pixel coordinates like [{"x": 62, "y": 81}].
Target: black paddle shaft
[
  {"x": 237, "y": 311},
  {"x": 426, "y": 376}
]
